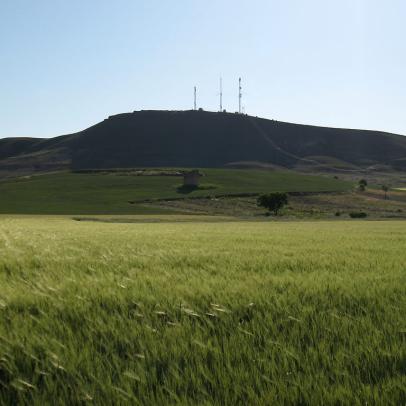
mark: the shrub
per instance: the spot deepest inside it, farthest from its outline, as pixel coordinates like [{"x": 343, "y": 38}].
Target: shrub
[
  {"x": 385, "y": 188},
  {"x": 358, "y": 215},
  {"x": 273, "y": 201},
  {"x": 362, "y": 184}
]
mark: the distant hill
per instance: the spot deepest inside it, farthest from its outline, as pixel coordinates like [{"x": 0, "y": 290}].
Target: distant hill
[{"x": 204, "y": 139}]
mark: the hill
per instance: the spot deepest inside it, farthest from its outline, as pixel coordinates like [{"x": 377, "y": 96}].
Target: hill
[
  {"x": 123, "y": 192},
  {"x": 204, "y": 139}
]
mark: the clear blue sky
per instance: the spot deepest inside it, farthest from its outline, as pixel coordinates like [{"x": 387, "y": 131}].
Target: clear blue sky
[{"x": 67, "y": 64}]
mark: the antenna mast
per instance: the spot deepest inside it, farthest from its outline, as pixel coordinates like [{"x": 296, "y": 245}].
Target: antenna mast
[
  {"x": 194, "y": 105},
  {"x": 221, "y": 94},
  {"x": 239, "y": 95}
]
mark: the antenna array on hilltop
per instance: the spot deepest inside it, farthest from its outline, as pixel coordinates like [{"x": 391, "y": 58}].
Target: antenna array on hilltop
[{"x": 241, "y": 109}]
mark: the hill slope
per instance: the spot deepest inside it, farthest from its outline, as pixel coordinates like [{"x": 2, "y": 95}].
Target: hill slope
[{"x": 203, "y": 139}]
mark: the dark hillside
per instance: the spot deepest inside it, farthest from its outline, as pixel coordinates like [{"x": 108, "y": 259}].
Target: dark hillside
[
  {"x": 204, "y": 139},
  {"x": 10, "y": 147}
]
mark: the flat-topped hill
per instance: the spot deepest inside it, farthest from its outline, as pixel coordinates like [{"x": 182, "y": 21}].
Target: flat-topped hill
[{"x": 204, "y": 139}]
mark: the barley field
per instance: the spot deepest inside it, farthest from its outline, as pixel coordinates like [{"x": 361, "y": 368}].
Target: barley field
[{"x": 199, "y": 313}]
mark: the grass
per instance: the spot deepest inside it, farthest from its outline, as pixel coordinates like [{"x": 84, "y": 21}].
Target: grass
[
  {"x": 110, "y": 193},
  {"x": 202, "y": 313},
  {"x": 310, "y": 206}
]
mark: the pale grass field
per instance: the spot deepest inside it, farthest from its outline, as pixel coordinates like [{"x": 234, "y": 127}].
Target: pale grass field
[{"x": 202, "y": 312}]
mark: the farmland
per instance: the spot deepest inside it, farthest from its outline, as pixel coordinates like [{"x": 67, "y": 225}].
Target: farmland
[
  {"x": 110, "y": 192},
  {"x": 202, "y": 312}
]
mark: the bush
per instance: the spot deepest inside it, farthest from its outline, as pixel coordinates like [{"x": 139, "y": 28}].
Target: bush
[
  {"x": 358, "y": 215},
  {"x": 385, "y": 188},
  {"x": 273, "y": 201},
  {"x": 362, "y": 184},
  {"x": 338, "y": 213}
]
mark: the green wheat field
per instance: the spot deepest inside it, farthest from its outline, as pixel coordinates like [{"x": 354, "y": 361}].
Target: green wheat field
[{"x": 202, "y": 312}]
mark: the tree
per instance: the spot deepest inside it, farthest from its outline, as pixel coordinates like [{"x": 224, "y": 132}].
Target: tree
[
  {"x": 385, "y": 188},
  {"x": 362, "y": 184},
  {"x": 273, "y": 201}
]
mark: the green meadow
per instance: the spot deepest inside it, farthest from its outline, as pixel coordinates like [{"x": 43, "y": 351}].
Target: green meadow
[
  {"x": 111, "y": 192},
  {"x": 226, "y": 312}
]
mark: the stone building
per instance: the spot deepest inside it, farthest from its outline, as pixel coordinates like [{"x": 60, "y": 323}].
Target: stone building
[{"x": 192, "y": 178}]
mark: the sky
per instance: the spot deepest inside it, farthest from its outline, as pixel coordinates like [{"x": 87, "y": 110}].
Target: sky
[{"x": 66, "y": 65}]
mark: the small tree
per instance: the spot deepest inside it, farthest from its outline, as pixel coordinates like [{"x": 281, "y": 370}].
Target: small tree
[
  {"x": 362, "y": 184},
  {"x": 273, "y": 201},
  {"x": 385, "y": 188}
]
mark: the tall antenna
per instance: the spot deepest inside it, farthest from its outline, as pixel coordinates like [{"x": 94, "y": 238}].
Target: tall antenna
[
  {"x": 239, "y": 95},
  {"x": 221, "y": 94},
  {"x": 194, "y": 105}
]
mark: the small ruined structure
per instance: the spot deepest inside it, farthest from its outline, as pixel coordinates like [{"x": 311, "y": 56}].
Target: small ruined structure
[{"x": 192, "y": 178}]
